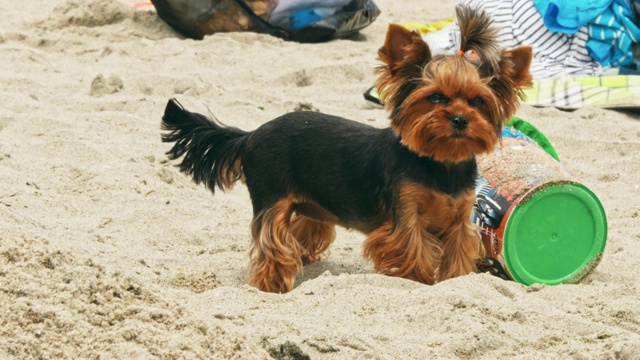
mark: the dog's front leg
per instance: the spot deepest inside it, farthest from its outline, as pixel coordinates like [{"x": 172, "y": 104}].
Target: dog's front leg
[
  {"x": 461, "y": 244},
  {"x": 403, "y": 246}
]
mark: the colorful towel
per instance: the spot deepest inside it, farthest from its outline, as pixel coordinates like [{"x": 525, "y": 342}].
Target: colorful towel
[
  {"x": 611, "y": 35},
  {"x": 612, "y": 92},
  {"x": 610, "y": 24},
  {"x": 568, "y": 16}
]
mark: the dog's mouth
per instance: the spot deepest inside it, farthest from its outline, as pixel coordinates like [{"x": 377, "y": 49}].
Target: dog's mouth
[{"x": 458, "y": 134}]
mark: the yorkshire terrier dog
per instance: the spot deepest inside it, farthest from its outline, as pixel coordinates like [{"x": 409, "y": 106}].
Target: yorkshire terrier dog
[{"x": 408, "y": 187}]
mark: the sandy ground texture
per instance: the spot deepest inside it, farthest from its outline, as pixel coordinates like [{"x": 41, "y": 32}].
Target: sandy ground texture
[{"x": 106, "y": 250}]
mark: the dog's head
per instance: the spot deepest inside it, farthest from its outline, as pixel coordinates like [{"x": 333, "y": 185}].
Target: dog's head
[{"x": 451, "y": 107}]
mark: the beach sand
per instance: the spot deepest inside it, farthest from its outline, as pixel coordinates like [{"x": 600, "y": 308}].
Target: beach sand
[{"x": 107, "y": 250}]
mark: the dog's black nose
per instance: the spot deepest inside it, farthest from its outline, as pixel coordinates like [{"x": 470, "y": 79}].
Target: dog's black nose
[{"x": 459, "y": 121}]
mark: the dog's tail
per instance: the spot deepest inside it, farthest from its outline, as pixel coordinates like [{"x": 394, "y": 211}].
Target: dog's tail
[{"x": 212, "y": 151}]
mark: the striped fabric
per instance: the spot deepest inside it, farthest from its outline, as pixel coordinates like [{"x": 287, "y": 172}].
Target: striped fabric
[
  {"x": 611, "y": 92},
  {"x": 611, "y": 35},
  {"x": 610, "y": 25},
  {"x": 519, "y": 24}
]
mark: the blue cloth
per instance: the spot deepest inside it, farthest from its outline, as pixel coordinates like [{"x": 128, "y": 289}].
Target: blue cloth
[
  {"x": 611, "y": 35},
  {"x": 567, "y": 16},
  {"x": 610, "y": 23}
]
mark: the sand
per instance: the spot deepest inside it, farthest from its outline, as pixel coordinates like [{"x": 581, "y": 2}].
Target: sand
[{"x": 107, "y": 250}]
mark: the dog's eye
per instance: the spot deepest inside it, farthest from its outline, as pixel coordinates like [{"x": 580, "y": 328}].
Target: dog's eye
[
  {"x": 476, "y": 102},
  {"x": 438, "y": 98}
]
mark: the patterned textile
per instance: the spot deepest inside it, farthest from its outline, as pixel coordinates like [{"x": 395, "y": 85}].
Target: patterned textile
[
  {"x": 610, "y": 25},
  {"x": 519, "y": 23},
  {"x": 612, "y": 34},
  {"x": 612, "y": 92}
]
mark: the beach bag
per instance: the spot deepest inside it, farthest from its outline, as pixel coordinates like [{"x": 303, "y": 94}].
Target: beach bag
[{"x": 306, "y": 21}]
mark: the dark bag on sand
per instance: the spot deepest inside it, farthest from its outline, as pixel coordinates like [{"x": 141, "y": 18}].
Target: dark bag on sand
[{"x": 197, "y": 18}]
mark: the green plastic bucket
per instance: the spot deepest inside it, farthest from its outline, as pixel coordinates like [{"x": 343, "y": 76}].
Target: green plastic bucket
[{"x": 539, "y": 223}]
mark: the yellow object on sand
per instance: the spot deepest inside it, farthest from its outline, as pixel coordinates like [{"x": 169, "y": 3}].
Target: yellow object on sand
[{"x": 427, "y": 28}]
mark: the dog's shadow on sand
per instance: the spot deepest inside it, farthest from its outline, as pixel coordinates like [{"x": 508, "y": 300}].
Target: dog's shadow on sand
[{"x": 333, "y": 267}]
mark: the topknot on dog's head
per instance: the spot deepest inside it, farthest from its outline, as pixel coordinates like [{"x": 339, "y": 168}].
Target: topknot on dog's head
[{"x": 479, "y": 40}]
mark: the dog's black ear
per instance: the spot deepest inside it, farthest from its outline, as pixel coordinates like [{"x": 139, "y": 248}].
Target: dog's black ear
[{"x": 404, "y": 49}]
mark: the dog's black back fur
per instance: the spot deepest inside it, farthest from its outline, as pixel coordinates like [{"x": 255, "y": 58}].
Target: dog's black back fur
[{"x": 347, "y": 168}]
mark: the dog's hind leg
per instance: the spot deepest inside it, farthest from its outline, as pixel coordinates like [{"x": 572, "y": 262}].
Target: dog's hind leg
[
  {"x": 275, "y": 255},
  {"x": 314, "y": 237}
]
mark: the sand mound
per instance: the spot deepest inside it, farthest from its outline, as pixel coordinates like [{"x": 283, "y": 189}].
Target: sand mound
[{"x": 107, "y": 250}]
